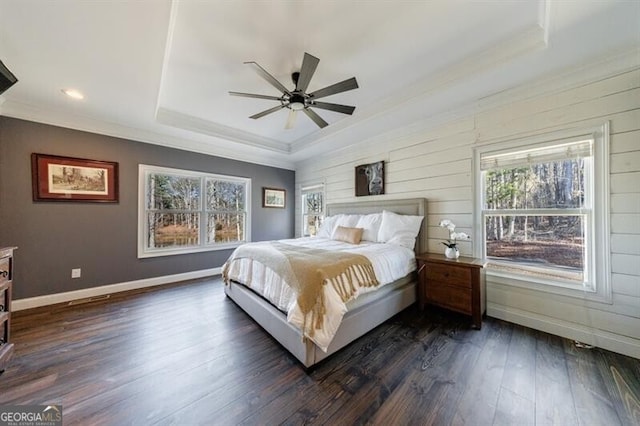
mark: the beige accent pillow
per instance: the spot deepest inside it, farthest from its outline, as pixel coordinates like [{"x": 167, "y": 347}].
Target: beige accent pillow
[{"x": 348, "y": 235}]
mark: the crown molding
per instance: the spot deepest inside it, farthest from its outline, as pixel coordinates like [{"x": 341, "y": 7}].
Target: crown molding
[
  {"x": 199, "y": 125},
  {"x": 217, "y": 148},
  {"x": 618, "y": 62}
]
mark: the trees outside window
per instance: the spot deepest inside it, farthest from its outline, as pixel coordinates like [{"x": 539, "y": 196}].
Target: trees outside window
[
  {"x": 536, "y": 216},
  {"x": 184, "y": 211},
  {"x": 312, "y": 209},
  {"x": 543, "y": 211}
]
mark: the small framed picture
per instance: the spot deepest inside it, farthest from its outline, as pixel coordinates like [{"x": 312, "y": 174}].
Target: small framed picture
[
  {"x": 56, "y": 178},
  {"x": 273, "y": 197}
]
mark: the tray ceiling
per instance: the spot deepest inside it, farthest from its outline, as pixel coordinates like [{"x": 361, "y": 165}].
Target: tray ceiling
[{"x": 160, "y": 71}]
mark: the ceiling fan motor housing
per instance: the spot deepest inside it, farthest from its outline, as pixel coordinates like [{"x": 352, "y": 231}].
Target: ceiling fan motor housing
[{"x": 297, "y": 101}]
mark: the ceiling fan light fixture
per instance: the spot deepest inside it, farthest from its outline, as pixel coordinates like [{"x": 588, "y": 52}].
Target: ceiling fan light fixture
[
  {"x": 297, "y": 101},
  {"x": 296, "y": 105}
]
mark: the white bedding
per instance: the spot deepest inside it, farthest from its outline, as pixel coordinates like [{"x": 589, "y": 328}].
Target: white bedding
[{"x": 390, "y": 262}]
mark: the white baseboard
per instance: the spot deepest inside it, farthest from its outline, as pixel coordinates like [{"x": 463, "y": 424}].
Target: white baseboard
[
  {"x": 51, "y": 299},
  {"x": 592, "y": 336}
]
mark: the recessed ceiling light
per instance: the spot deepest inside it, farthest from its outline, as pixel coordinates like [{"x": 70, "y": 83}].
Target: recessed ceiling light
[{"x": 72, "y": 93}]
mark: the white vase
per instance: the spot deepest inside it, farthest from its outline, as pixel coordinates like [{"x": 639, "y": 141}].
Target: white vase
[{"x": 452, "y": 252}]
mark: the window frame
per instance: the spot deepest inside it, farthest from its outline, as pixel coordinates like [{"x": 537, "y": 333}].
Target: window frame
[
  {"x": 144, "y": 170},
  {"x": 597, "y": 286},
  {"x": 311, "y": 189}
]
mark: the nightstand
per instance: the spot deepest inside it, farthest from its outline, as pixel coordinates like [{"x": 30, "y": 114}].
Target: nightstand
[
  {"x": 455, "y": 284},
  {"x": 6, "y": 276}
]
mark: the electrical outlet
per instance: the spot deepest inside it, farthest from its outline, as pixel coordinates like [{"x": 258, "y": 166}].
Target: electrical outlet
[{"x": 76, "y": 273}]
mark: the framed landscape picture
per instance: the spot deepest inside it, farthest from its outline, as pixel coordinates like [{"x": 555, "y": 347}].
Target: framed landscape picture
[
  {"x": 56, "y": 178},
  {"x": 273, "y": 197}
]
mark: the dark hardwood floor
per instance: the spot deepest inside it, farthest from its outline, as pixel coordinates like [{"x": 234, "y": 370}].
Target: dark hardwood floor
[{"x": 185, "y": 354}]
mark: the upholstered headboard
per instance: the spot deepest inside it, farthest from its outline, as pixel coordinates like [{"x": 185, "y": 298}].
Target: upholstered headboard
[{"x": 409, "y": 206}]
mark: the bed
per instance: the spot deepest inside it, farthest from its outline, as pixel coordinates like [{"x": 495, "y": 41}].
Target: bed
[{"x": 365, "y": 313}]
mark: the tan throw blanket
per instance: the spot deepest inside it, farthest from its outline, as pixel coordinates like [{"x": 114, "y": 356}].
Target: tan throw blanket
[{"x": 307, "y": 270}]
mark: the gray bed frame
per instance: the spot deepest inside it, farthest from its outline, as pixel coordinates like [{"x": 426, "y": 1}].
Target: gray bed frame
[{"x": 356, "y": 322}]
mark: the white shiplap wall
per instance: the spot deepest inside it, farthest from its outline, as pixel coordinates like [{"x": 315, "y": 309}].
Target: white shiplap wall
[{"x": 436, "y": 163}]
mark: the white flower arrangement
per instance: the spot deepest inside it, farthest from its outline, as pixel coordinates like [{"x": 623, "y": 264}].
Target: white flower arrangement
[{"x": 453, "y": 236}]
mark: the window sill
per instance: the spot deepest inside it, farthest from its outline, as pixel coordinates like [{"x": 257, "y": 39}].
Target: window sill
[{"x": 190, "y": 250}]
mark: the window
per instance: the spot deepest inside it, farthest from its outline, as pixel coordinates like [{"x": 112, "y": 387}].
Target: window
[
  {"x": 544, "y": 212},
  {"x": 184, "y": 212},
  {"x": 312, "y": 209}
]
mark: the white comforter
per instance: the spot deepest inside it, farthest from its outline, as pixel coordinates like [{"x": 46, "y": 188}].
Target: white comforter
[{"x": 390, "y": 262}]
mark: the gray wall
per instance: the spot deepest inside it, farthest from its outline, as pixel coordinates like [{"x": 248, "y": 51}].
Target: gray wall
[{"x": 54, "y": 237}]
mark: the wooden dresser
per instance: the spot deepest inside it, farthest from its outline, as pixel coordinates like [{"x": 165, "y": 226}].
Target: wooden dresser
[
  {"x": 6, "y": 276},
  {"x": 456, "y": 284}
]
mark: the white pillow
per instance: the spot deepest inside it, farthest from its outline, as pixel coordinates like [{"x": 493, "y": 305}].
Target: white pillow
[
  {"x": 400, "y": 230},
  {"x": 329, "y": 225},
  {"x": 371, "y": 225},
  {"x": 349, "y": 220}
]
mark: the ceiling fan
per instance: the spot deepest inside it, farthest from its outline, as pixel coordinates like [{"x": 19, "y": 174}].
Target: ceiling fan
[{"x": 298, "y": 99}]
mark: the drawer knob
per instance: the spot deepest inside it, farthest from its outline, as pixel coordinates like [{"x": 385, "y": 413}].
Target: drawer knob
[{"x": 4, "y": 274}]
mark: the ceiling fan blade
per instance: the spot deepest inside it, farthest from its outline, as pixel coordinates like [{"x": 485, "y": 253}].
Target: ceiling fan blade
[
  {"x": 266, "y": 112},
  {"x": 309, "y": 65},
  {"x": 343, "y": 86},
  {"x": 291, "y": 121},
  {"x": 271, "y": 79},
  {"x": 345, "y": 109},
  {"x": 316, "y": 118},
  {"x": 253, "y": 95}
]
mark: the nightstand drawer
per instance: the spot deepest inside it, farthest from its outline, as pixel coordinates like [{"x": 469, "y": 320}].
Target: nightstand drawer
[
  {"x": 449, "y": 274},
  {"x": 455, "y": 298},
  {"x": 5, "y": 271}
]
